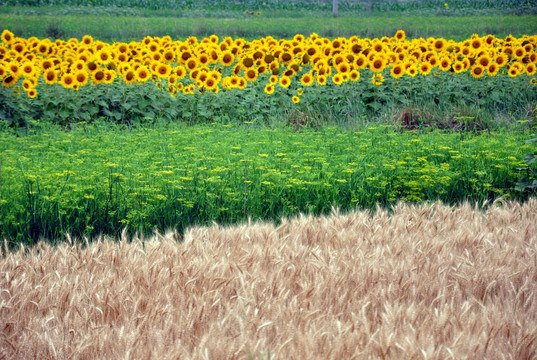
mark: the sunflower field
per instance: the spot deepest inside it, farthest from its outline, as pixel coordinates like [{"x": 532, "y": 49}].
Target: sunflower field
[{"x": 125, "y": 81}]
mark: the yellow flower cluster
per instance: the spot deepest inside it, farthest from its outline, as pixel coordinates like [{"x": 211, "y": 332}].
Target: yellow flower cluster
[{"x": 211, "y": 65}]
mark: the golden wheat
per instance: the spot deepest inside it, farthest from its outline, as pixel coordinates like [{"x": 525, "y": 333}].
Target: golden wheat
[{"x": 428, "y": 281}]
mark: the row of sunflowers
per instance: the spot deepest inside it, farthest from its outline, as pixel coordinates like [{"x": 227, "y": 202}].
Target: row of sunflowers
[{"x": 195, "y": 66}]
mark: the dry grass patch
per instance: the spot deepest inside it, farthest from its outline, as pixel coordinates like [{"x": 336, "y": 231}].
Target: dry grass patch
[{"x": 429, "y": 281}]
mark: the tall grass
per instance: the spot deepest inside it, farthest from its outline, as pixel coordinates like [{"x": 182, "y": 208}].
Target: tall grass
[{"x": 431, "y": 281}]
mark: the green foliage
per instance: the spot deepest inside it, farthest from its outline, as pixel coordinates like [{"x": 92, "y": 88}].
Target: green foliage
[
  {"x": 528, "y": 183},
  {"x": 101, "y": 178},
  {"x": 444, "y": 101}
]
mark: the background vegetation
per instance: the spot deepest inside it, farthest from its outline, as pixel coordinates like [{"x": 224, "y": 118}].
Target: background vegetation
[{"x": 124, "y": 20}]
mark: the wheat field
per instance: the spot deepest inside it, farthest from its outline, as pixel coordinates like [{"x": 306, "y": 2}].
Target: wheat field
[{"x": 424, "y": 282}]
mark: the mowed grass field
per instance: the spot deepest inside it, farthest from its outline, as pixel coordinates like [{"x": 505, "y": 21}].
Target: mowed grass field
[{"x": 428, "y": 282}]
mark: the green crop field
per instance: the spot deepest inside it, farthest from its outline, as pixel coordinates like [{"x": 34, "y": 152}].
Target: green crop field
[
  {"x": 100, "y": 178},
  {"x": 158, "y": 115}
]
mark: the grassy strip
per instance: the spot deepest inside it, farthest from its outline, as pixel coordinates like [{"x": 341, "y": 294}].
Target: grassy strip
[
  {"x": 125, "y": 28},
  {"x": 271, "y": 8},
  {"x": 99, "y": 179}
]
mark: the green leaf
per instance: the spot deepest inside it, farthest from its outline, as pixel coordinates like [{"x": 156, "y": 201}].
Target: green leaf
[{"x": 529, "y": 158}]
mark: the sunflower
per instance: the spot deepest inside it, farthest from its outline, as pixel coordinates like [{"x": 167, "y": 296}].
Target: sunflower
[
  {"x": 306, "y": 79},
  {"x": 163, "y": 70},
  {"x": 247, "y": 62},
  {"x": 476, "y": 43},
  {"x": 343, "y": 68},
  {"x": 227, "y": 58},
  {"x": 251, "y": 74},
  {"x": 412, "y": 70},
  {"x": 215, "y": 75},
  {"x": 50, "y": 76},
  {"x": 445, "y": 64},
  {"x": 378, "y": 47},
  {"x": 157, "y": 57},
  {"x": 296, "y": 99},
  {"x": 169, "y": 56},
  {"x": 289, "y": 73},
  {"x": 337, "y": 79},
  {"x": 285, "y": 81},
  {"x": 513, "y": 71},
  {"x": 299, "y": 91},
  {"x": 92, "y": 67},
  {"x": 321, "y": 80},
  {"x": 439, "y": 44},
  {"x": 285, "y": 57},
  {"x": 354, "y": 75},
  {"x": 180, "y": 72},
  {"x": 28, "y": 69},
  {"x": 19, "y": 47},
  {"x": 433, "y": 61},
  {"x": 484, "y": 60},
  {"x": 269, "y": 89},
  {"x": 533, "y": 81},
  {"x": 477, "y": 71},
  {"x": 14, "y": 69},
  {"x": 203, "y": 59},
  {"x": 519, "y": 52},
  {"x": 234, "y": 81},
  {"x": 377, "y": 64},
  {"x": 530, "y": 69},
  {"x": 492, "y": 69},
  {"x": 377, "y": 79},
  {"x": 191, "y": 64},
  {"x": 3, "y": 71},
  {"x": 109, "y": 76},
  {"x": 400, "y": 35},
  {"x": 78, "y": 65},
  {"x": 97, "y": 77},
  {"x": 242, "y": 83},
  {"x": 211, "y": 83},
  {"x": 397, "y": 71},
  {"x": 129, "y": 76},
  {"x": 87, "y": 40},
  {"x": 27, "y": 85},
  {"x": 10, "y": 80},
  {"x": 425, "y": 68},
  {"x": 42, "y": 48},
  {"x": 142, "y": 74},
  {"x": 7, "y": 36},
  {"x": 103, "y": 56},
  {"x": 32, "y": 93},
  {"x": 81, "y": 77},
  {"x": 67, "y": 81}
]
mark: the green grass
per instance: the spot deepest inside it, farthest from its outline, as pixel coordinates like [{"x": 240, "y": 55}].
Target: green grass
[
  {"x": 102, "y": 178},
  {"x": 273, "y": 8},
  {"x": 126, "y": 28}
]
